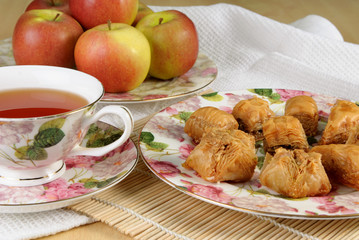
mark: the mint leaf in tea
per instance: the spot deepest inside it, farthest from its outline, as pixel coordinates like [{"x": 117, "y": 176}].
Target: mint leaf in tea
[{"x": 37, "y": 102}]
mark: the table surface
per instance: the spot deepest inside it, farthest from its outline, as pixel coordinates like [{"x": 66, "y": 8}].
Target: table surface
[{"x": 342, "y": 13}]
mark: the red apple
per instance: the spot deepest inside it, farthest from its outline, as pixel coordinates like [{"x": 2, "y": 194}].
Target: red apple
[
  {"x": 143, "y": 10},
  {"x": 96, "y": 12},
  {"x": 60, "y": 5},
  {"x": 45, "y": 37},
  {"x": 173, "y": 40},
  {"x": 117, "y": 54}
]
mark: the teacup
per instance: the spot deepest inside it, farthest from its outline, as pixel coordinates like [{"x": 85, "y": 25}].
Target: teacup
[{"x": 34, "y": 144}]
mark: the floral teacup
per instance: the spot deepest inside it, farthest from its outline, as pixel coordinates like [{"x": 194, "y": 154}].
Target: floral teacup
[{"x": 32, "y": 148}]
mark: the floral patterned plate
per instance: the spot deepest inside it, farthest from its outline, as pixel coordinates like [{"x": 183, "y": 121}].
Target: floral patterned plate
[
  {"x": 198, "y": 77},
  {"x": 84, "y": 176},
  {"x": 164, "y": 147}
]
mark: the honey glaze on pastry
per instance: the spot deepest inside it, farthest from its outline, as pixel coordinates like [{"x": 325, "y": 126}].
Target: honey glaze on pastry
[
  {"x": 343, "y": 119},
  {"x": 224, "y": 155},
  {"x": 353, "y": 137},
  {"x": 295, "y": 173},
  {"x": 206, "y": 118},
  {"x": 306, "y": 110},
  {"x": 284, "y": 131},
  {"x": 341, "y": 162},
  {"x": 251, "y": 114}
]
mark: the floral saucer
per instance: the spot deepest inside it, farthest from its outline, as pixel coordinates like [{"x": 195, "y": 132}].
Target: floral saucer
[
  {"x": 164, "y": 147},
  {"x": 198, "y": 77},
  {"x": 84, "y": 176}
]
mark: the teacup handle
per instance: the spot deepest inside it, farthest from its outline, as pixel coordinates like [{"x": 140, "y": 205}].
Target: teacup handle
[{"x": 119, "y": 111}]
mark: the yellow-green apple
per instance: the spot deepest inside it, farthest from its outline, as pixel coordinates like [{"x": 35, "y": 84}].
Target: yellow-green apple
[
  {"x": 174, "y": 42},
  {"x": 117, "y": 54},
  {"x": 91, "y": 13},
  {"x": 61, "y": 5},
  {"x": 143, "y": 10},
  {"x": 45, "y": 37}
]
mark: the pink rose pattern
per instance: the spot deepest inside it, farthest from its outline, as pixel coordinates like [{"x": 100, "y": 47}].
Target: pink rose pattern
[
  {"x": 226, "y": 109},
  {"x": 114, "y": 163},
  {"x": 155, "y": 96},
  {"x": 287, "y": 94},
  {"x": 121, "y": 96},
  {"x": 166, "y": 169},
  {"x": 80, "y": 162},
  {"x": 209, "y": 71},
  {"x": 165, "y": 125},
  {"x": 19, "y": 195},
  {"x": 262, "y": 203},
  {"x": 190, "y": 105},
  {"x": 185, "y": 150},
  {"x": 233, "y": 99},
  {"x": 62, "y": 189},
  {"x": 211, "y": 192},
  {"x": 9, "y": 131},
  {"x": 175, "y": 131}
]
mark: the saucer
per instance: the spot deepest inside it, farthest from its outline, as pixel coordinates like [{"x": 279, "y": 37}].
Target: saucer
[{"x": 84, "y": 176}]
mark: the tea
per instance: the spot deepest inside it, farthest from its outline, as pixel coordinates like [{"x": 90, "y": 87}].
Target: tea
[{"x": 37, "y": 102}]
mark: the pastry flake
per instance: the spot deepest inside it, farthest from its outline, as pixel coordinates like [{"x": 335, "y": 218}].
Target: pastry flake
[
  {"x": 251, "y": 114},
  {"x": 353, "y": 137},
  {"x": 295, "y": 173},
  {"x": 224, "y": 155},
  {"x": 341, "y": 162},
  {"x": 284, "y": 131},
  {"x": 343, "y": 119},
  {"x": 306, "y": 110},
  {"x": 206, "y": 118}
]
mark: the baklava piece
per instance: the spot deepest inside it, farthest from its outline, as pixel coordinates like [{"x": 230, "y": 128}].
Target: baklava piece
[
  {"x": 306, "y": 110},
  {"x": 341, "y": 162},
  {"x": 206, "y": 118},
  {"x": 295, "y": 173},
  {"x": 353, "y": 137},
  {"x": 224, "y": 155},
  {"x": 343, "y": 119},
  {"x": 284, "y": 131},
  {"x": 251, "y": 114}
]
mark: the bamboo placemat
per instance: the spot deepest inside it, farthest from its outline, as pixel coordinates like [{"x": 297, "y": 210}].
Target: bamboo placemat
[{"x": 144, "y": 207}]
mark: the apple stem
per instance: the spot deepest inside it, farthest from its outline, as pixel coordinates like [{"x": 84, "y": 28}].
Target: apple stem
[
  {"x": 57, "y": 15},
  {"x": 160, "y": 21},
  {"x": 109, "y": 24}
]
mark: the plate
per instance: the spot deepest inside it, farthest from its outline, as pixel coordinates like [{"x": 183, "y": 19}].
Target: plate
[
  {"x": 198, "y": 77},
  {"x": 84, "y": 176},
  {"x": 164, "y": 147}
]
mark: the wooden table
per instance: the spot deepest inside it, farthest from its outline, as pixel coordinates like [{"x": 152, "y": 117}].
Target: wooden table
[{"x": 342, "y": 13}]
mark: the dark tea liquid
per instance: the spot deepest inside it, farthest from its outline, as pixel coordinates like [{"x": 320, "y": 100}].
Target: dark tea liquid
[{"x": 25, "y": 103}]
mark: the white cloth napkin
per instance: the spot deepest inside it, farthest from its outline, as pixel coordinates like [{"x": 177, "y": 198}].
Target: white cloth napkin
[{"x": 251, "y": 51}]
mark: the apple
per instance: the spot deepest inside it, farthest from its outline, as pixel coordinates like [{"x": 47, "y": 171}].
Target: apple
[
  {"x": 174, "y": 43},
  {"x": 117, "y": 54},
  {"x": 45, "y": 37},
  {"x": 60, "y": 5},
  {"x": 96, "y": 12},
  {"x": 143, "y": 10}
]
